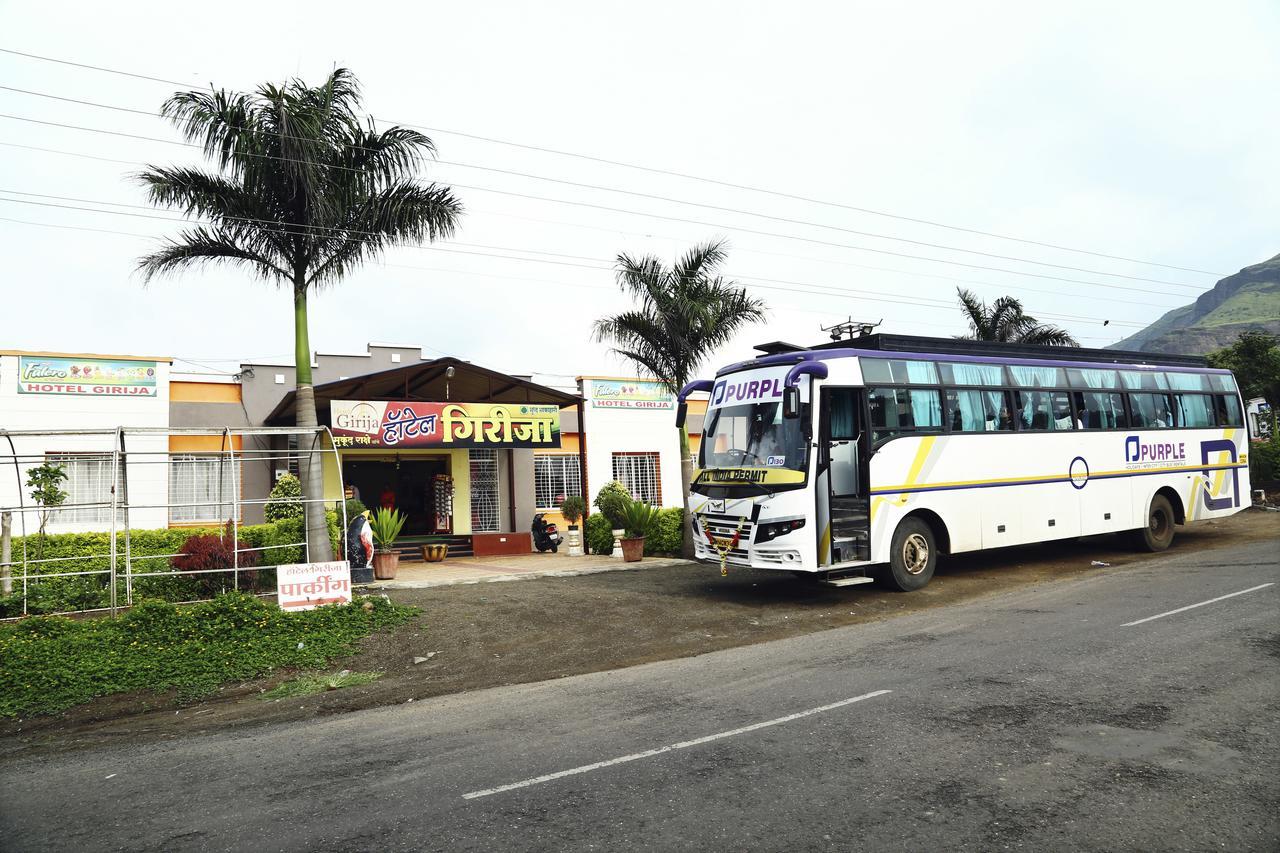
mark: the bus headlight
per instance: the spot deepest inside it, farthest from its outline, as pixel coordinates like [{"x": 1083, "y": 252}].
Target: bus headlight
[{"x": 773, "y": 529}]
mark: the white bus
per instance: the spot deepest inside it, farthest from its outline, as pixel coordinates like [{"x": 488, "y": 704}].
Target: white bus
[{"x": 869, "y": 458}]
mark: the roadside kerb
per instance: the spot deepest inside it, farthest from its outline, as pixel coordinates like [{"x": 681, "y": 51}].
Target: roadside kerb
[{"x": 467, "y": 572}]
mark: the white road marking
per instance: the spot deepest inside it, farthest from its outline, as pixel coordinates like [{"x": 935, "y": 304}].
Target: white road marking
[
  {"x": 636, "y": 756},
  {"x": 1199, "y": 604}
]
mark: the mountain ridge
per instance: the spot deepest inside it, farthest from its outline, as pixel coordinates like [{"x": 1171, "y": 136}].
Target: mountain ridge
[{"x": 1247, "y": 300}]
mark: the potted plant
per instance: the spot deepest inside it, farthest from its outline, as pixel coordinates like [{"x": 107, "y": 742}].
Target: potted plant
[
  {"x": 612, "y": 501},
  {"x": 435, "y": 549},
  {"x": 573, "y": 508},
  {"x": 386, "y": 525},
  {"x": 638, "y": 517}
]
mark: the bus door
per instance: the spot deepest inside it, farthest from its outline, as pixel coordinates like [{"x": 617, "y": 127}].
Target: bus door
[{"x": 844, "y": 502}]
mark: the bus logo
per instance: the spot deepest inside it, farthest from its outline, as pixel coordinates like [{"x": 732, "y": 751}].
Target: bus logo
[
  {"x": 1227, "y": 446},
  {"x": 1137, "y": 450}
]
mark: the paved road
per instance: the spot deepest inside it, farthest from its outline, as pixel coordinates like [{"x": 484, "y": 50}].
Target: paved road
[{"x": 1036, "y": 719}]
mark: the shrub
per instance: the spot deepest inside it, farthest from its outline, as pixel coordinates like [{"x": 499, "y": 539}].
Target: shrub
[
  {"x": 283, "y": 502},
  {"x": 207, "y": 553},
  {"x": 1264, "y": 463},
  {"x": 612, "y": 501},
  {"x": 638, "y": 517},
  {"x": 355, "y": 506},
  {"x": 53, "y": 663},
  {"x": 573, "y": 508},
  {"x": 150, "y": 552},
  {"x": 599, "y": 534},
  {"x": 666, "y": 534},
  {"x": 386, "y": 525}
]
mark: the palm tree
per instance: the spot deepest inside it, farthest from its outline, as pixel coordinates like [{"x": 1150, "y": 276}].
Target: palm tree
[
  {"x": 684, "y": 314},
  {"x": 1004, "y": 321},
  {"x": 305, "y": 190}
]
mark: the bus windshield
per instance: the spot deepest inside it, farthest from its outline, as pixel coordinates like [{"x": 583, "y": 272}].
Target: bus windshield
[{"x": 753, "y": 435}]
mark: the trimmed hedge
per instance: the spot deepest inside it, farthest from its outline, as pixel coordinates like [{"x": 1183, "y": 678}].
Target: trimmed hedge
[
  {"x": 52, "y": 663},
  {"x": 664, "y": 536},
  {"x": 148, "y": 551},
  {"x": 598, "y": 534}
]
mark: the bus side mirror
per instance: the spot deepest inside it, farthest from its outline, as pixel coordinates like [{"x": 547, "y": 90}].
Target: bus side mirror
[
  {"x": 791, "y": 402},
  {"x": 682, "y": 411}
]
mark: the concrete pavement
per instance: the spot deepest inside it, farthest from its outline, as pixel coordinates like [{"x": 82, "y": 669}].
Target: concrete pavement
[
  {"x": 421, "y": 575},
  {"x": 1037, "y": 719}
]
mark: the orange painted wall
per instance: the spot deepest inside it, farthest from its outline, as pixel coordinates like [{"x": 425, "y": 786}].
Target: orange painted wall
[
  {"x": 203, "y": 443},
  {"x": 204, "y": 392}
]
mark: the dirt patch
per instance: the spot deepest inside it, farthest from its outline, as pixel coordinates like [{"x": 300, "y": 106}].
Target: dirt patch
[{"x": 486, "y": 635}]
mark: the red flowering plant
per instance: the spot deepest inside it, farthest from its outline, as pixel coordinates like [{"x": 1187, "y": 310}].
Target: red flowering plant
[{"x": 205, "y": 554}]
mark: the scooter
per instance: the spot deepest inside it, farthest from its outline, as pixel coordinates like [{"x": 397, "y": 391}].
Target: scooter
[{"x": 545, "y": 535}]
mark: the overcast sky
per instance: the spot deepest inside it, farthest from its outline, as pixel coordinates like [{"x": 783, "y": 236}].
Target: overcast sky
[{"x": 1143, "y": 130}]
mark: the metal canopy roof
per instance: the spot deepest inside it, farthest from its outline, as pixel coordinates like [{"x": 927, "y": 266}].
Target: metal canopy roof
[{"x": 427, "y": 381}]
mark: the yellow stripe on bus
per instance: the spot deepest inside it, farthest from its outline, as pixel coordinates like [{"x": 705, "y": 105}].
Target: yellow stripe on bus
[
  {"x": 889, "y": 490},
  {"x": 917, "y": 464}
]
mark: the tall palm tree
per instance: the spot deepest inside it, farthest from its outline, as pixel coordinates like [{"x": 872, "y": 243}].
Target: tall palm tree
[
  {"x": 1005, "y": 321},
  {"x": 305, "y": 191},
  {"x": 683, "y": 314}
]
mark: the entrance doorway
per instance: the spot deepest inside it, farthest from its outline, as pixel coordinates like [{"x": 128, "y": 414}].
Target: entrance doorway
[
  {"x": 407, "y": 485},
  {"x": 844, "y": 455}
]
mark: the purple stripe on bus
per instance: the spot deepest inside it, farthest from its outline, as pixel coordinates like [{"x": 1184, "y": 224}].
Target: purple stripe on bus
[{"x": 823, "y": 355}]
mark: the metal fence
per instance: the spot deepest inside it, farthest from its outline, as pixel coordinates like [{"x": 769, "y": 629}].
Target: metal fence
[{"x": 21, "y": 571}]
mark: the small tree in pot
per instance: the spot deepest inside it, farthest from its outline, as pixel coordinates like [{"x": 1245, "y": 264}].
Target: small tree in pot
[
  {"x": 386, "y": 525},
  {"x": 612, "y": 501},
  {"x": 573, "y": 508},
  {"x": 638, "y": 517}
]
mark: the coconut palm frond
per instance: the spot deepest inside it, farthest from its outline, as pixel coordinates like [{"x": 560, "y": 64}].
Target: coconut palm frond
[
  {"x": 684, "y": 313},
  {"x": 1006, "y": 321}
]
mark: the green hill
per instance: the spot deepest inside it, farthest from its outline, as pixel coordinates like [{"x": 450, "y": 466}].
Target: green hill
[{"x": 1250, "y": 299}]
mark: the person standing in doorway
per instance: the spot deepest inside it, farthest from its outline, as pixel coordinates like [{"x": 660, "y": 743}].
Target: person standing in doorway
[{"x": 387, "y": 500}]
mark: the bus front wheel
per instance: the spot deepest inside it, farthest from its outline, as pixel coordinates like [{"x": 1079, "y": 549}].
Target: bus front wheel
[
  {"x": 1157, "y": 535},
  {"x": 913, "y": 556}
]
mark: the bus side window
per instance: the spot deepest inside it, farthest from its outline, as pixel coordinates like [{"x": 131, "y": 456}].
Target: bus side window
[
  {"x": 843, "y": 418},
  {"x": 1151, "y": 411},
  {"x": 979, "y": 411},
  {"x": 1195, "y": 410},
  {"x": 1100, "y": 410},
  {"x": 1227, "y": 408}
]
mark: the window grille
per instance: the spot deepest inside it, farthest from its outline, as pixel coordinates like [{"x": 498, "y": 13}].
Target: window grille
[
  {"x": 556, "y": 476},
  {"x": 88, "y": 481},
  {"x": 484, "y": 491},
  {"x": 638, "y": 472},
  {"x": 194, "y": 479}
]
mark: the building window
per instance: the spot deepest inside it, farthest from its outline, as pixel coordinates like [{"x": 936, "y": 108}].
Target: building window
[
  {"x": 88, "y": 482},
  {"x": 556, "y": 476},
  {"x": 638, "y": 472},
  {"x": 202, "y": 488},
  {"x": 484, "y": 491}
]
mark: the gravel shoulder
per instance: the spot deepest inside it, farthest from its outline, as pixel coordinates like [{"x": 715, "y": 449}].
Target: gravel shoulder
[{"x": 488, "y": 635}]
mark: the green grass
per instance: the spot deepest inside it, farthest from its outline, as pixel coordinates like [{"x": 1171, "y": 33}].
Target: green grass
[
  {"x": 48, "y": 663},
  {"x": 307, "y": 685}
]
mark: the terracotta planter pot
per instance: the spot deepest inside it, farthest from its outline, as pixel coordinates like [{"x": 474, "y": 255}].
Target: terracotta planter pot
[
  {"x": 633, "y": 549},
  {"x": 435, "y": 552},
  {"x": 385, "y": 564}
]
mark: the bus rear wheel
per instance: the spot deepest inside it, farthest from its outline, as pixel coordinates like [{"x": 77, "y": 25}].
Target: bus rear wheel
[
  {"x": 1158, "y": 533},
  {"x": 912, "y": 556}
]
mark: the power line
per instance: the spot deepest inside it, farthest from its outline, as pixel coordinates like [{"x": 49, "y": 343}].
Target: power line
[
  {"x": 635, "y": 194},
  {"x": 791, "y": 286},
  {"x": 1145, "y": 304},
  {"x": 714, "y": 225},
  {"x": 687, "y": 176}
]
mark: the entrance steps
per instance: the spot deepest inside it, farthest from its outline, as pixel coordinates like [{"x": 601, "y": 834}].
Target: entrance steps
[
  {"x": 410, "y": 547},
  {"x": 848, "y": 580}
]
